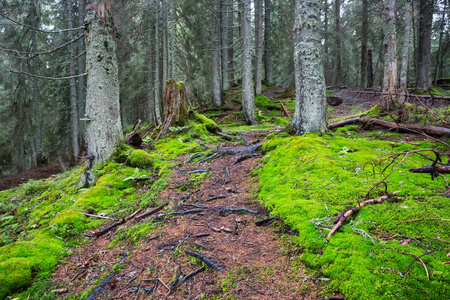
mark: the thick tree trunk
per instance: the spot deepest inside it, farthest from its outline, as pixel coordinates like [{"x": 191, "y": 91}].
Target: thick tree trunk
[
  {"x": 248, "y": 96},
  {"x": 425, "y": 21},
  {"x": 364, "y": 35},
  {"x": 215, "y": 66},
  {"x": 36, "y": 97},
  {"x": 104, "y": 130},
  {"x": 337, "y": 36},
  {"x": 311, "y": 106},
  {"x": 176, "y": 106},
  {"x": 390, "y": 56},
  {"x": 405, "y": 47},
  {"x": 439, "y": 58},
  {"x": 230, "y": 40},
  {"x": 258, "y": 46},
  {"x": 224, "y": 44},
  {"x": 81, "y": 63},
  {"x": 150, "y": 65},
  {"x": 165, "y": 44},
  {"x": 173, "y": 37},
  {"x": 73, "y": 88},
  {"x": 267, "y": 41},
  {"x": 158, "y": 84}
]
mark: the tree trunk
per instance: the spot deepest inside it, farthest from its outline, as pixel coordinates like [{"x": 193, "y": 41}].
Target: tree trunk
[
  {"x": 337, "y": 33},
  {"x": 325, "y": 44},
  {"x": 157, "y": 84},
  {"x": 248, "y": 96},
  {"x": 258, "y": 46},
  {"x": 425, "y": 21},
  {"x": 405, "y": 47},
  {"x": 311, "y": 106},
  {"x": 36, "y": 98},
  {"x": 215, "y": 66},
  {"x": 390, "y": 56},
  {"x": 224, "y": 44},
  {"x": 81, "y": 63},
  {"x": 104, "y": 130},
  {"x": 73, "y": 88},
  {"x": 176, "y": 106},
  {"x": 165, "y": 44},
  {"x": 173, "y": 36},
  {"x": 230, "y": 46},
  {"x": 369, "y": 68},
  {"x": 267, "y": 42},
  {"x": 150, "y": 66},
  {"x": 439, "y": 58},
  {"x": 364, "y": 35}
]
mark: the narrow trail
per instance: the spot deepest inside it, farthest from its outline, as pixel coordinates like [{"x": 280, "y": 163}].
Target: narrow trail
[{"x": 252, "y": 261}]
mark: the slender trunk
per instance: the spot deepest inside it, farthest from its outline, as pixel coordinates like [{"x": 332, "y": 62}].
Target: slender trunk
[
  {"x": 248, "y": 96},
  {"x": 415, "y": 38},
  {"x": 73, "y": 88},
  {"x": 150, "y": 66},
  {"x": 325, "y": 43},
  {"x": 81, "y": 62},
  {"x": 173, "y": 36},
  {"x": 405, "y": 47},
  {"x": 230, "y": 46},
  {"x": 241, "y": 36},
  {"x": 258, "y": 46},
  {"x": 36, "y": 98},
  {"x": 425, "y": 22},
  {"x": 369, "y": 68},
  {"x": 104, "y": 130},
  {"x": 215, "y": 46},
  {"x": 439, "y": 59},
  {"x": 364, "y": 34},
  {"x": 337, "y": 33},
  {"x": 165, "y": 44},
  {"x": 311, "y": 106},
  {"x": 224, "y": 44},
  {"x": 267, "y": 42},
  {"x": 157, "y": 84}
]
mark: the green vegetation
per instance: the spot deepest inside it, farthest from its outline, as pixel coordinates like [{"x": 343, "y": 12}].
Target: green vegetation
[{"x": 307, "y": 180}]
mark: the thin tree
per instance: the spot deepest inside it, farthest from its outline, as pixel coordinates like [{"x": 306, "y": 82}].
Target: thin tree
[
  {"x": 215, "y": 66},
  {"x": 338, "y": 41},
  {"x": 310, "y": 107},
  {"x": 230, "y": 46},
  {"x": 150, "y": 63},
  {"x": 405, "y": 47},
  {"x": 267, "y": 41},
  {"x": 104, "y": 130},
  {"x": 248, "y": 96},
  {"x": 224, "y": 44},
  {"x": 157, "y": 77},
  {"x": 364, "y": 35},
  {"x": 36, "y": 97},
  {"x": 424, "y": 55},
  {"x": 81, "y": 63},
  {"x": 258, "y": 46}
]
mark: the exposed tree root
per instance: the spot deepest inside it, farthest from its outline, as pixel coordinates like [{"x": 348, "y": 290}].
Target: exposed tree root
[
  {"x": 266, "y": 221},
  {"x": 203, "y": 258},
  {"x": 230, "y": 151},
  {"x": 243, "y": 157}
]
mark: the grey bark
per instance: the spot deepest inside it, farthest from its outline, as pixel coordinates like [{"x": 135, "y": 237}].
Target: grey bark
[
  {"x": 81, "y": 62},
  {"x": 258, "y": 46},
  {"x": 73, "y": 88},
  {"x": 405, "y": 47},
  {"x": 248, "y": 96},
  {"x": 36, "y": 98},
  {"x": 369, "y": 68},
  {"x": 230, "y": 46},
  {"x": 104, "y": 130},
  {"x": 215, "y": 55},
  {"x": 150, "y": 64},
  {"x": 157, "y": 85},
  {"x": 173, "y": 37},
  {"x": 439, "y": 58},
  {"x": 165, "y": 44},
  {"x": 311, "y": 107},
  {"x": 425, "y": 22},
  {"x": 224, "y": 44},
  {"x": 267, "y": 42},
  {"x": 364, "y": 35},
  {"x": 337, "y": 36}
]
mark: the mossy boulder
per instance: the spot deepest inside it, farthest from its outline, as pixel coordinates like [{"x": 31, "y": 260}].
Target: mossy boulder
[
  {"x": 121, "y": 153},
  {"x": 140, "y": 159},
  {"x": 210, "y": 125}
]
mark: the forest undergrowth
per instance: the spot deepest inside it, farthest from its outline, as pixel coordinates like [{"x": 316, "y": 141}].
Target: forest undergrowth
[{"x": 395, "y": 249}]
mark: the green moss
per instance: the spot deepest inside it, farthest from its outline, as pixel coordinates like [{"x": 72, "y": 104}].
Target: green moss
[
  {"x": 120, "y": 155},
  {"x": 134, "y": 234},
  {"x": 140, "y": 159},
  {"x": 265, "y": 103},
  {"x": 302, "y": 173},
  {"x": 209, "y": 124}
]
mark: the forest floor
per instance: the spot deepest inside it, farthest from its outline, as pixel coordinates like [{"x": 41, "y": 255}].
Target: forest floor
[{"x": 37, "y": 173}]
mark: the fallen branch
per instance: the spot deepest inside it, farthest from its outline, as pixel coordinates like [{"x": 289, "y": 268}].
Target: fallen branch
[
  {"x": 231, "y": 151},
  {"x": 194, "y": 157},
  {"x": 232, "y": 209},
  {"x": 206, "y": 260},
  {"x": 227, "y": 176},
  {"x": 342, "y": 216},
  {"x": 192, "y": 274},
  {"x": 156, "y": 209},
  {"x": 266, "y": 221},
  {"x": 144, "y": 178},
  {"x": 190, "y": 172},
  {"x": 418, "y": 257},
  {"x": 95, "y": 216},
  {"x": 109, "y": 228},
  {"x": 431, "y": 169},
  {"x": 213, "y": 198}
]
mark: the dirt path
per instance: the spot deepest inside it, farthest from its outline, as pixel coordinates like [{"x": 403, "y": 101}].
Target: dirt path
[{"x": 254, "y": 263}]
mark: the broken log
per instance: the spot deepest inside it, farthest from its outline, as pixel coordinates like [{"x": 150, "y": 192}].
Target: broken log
[
  {"x": 430, "y": 169},
  {"x": 133, "y": 138},
  {"x": 203, "y": 258},
  {"x": 343, "y": 123},
  {"x": 355, "y": 210}
]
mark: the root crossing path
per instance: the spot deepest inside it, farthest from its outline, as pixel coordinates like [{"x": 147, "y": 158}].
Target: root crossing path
[{"x": 204, "y": 244}]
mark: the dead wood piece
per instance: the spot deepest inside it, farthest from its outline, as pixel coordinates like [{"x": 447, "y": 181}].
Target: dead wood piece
[
  {"x": 190, "y": 172},
  {"x": 418, "y": 257},
  {"x": 243, "y": 157},
  {"x": 176, "y": 281},
  {"x": 156, "y": 209},
  {"x": 231, "y": 151},
  {"x": 144, "y": 178},
  {"x": 109, "y": 228},
  {"x": 233, "y": 209},
  {"x": 334, "y": 100},
  {"x": 134, "y": 139},
  {"x": 203, "y": 258},
  {"x": 430, "y": 169},
  {"x": 60, "y": 291},
  {"x": 202, "y": 235},
  {"x": 227, "y": 176},
  {"x": 343, "y": 123},
  {"x": 355, "y": 210},
  {"x": 95, "y": 216},
  {"x": 243, "y": 138},
  {"x": 177, "y": 213},
  {"x": 213, "y": 228},
  {"x": 192, "y": 274},
  {"x": 226, "y": 229},
  {"x": 132, "y": 215},
  {"x": 214, "y": 198},
  {"x": 228, "y": 136},
  {"x": 266, "y": 221},
  {"x": 194, "y": 157},
  {"x": 286, "y": 112}
]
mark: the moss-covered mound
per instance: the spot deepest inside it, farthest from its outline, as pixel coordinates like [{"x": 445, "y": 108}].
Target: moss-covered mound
[{"x": 307, "y": 180}]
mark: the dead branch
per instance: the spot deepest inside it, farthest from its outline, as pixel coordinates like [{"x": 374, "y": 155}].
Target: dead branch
[
  {"x": 203, "y": 258},
  {"x": 266, "y": 221},
  {"x": 430, "y": 169},
  {"x": 355, "y": 210},
  {"x": 109, "y": 228},
  {"x": 48, "y": 78},
  {"x": 243, "y": 157},
  {"x": 231, "y": 151},
  {"x": 227, "y": 176},
  {"x": 192, "y": 274},
  {"x": 232, "y": 209},
  {"x": 140, "y": 178},
  {"x": 283, "y": 107},
  {"x": 407, "y": 95},
  {"x": 418, "y": 257},
  {"x": 194, "y": 157},
  {"x": 214, "y": 198},
  {"x": 40, "y": 30},
  {"x": 191, "y": 172},
  {"x": 152, "y": 211}
]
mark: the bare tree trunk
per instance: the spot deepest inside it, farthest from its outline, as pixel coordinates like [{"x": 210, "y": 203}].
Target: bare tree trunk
[
  {"x": 267, "y": 41},
  {"x": 81, "y": 63},
  {"x": 390, "y": 53},
  {"x": 369, "y": 68},
  {"x": 364, "y": 34},
  {"x": 415, "y": 38},
  {"x": 173, "y": 36},
  {"x": 439, "y": 58},
  {"x": 337, "y": 33},
  {"x": 150, "y": 66},
  {"x": 215, "y": 38},
  {"x": 248, "y": 96},
  {"x": 36, "y": 98},
  {"x": 258, "y": 46},
  {"x": 224, "y": 44},
  {"x": 311, "y": 106},
  {"x": 157, "y": 84},
  {"x": 230, "y": 46},
  {"x": 425, "y": 21},
  {"x": 73, "y": 88},
  {"x": 104, "y": 130},
  {"x": 325, "y": 43},
  {"x": 165, "y": 44},
  {"x": 405, "y": 47}
]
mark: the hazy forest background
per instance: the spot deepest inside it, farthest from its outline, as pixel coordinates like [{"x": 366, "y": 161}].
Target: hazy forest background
[{"x": 42, "y": 87}]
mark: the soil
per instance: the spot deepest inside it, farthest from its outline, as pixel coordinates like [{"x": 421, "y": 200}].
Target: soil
[
  {"x": 255, "y": 262},
  {"x": 42, "y": 172}
]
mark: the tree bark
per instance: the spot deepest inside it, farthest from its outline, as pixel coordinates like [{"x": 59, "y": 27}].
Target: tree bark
[
  {"x": 425, "y": 22},
  {"x": 104, "y": 130},
  {"x": 258, "y": 46},
  {"x": 158, "y": 84},
  {"x": 248, "y": 96},
  {"x": 439, "y": 58},
  {"x": 369, "y": 68},
  {"x": 81, "y": 63},
  {"x": 311, "y": 106},
  {"x": 36, "y": 97},
  {"x": 267, "y": 41},
  {"x": 215, "y": 66},
  {"x": 230, "y": 46},
  {"x": 337, "y": 35},
  {"x": 405, "y": 47},
  {"x": 73, "y": 88},
  {"x": 165, "y": 44},
  {"x": 173, "y": 44},
  {"x": 150, "y": 66},
  {"x": 223, "y": 13},
  {"x": 364, "y": 35},
  {"x": 390, "y": 56}
]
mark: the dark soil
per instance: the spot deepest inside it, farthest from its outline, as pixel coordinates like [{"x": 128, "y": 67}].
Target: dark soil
[{"x": 42, "y": 172}]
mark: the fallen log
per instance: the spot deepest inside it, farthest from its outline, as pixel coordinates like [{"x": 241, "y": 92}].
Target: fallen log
[
  {"x": 203, "y": 258},
  {"x": 156, "y": 209},
  {"x": 430, "y": 169},
  {"x": 354, "y": 210},
  {"x": 343, "y": 123}
]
